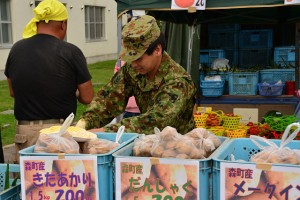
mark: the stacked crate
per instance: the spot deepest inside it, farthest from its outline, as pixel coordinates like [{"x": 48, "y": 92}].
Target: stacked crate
[
  {"x": 207, "y": 56},
  {"x": 284, "y": 56},
  {"x": 255, "y": 48},
  {"x": 225, "y": 36}
]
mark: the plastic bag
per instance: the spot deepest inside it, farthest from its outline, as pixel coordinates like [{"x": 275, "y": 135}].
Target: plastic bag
[
  {"x": 221, "y": 64},
  {"x": 277, "y": 154},
  {"x": 213, "y": 78},
  {"x": 101, "y": 146},
  {"x": 204, "y": 140},
  {"x": 171, "y": 144},
  {"x": 60, "y": 142},
  {"x": 143, "y": 145},
  {"x": 98, "y": 146},
  {"x": 55, "y": 143}
]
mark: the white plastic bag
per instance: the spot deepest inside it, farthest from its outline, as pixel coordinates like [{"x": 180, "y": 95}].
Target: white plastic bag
[
  {"x": 171, "y": 144},
  {"x": 60, "y": 142},
  {"x": 273, "y": 153},
  {"x": 221, "y": 64}
]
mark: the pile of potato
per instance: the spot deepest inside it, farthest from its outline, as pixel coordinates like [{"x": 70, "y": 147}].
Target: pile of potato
[
  {"x": 197, "y": 144},
  {"x": 54, "y": 143},
  {"x": 98, "y": 146},
  {"x": 276, "y": 155},
  {"x": 50, "y": 142}
]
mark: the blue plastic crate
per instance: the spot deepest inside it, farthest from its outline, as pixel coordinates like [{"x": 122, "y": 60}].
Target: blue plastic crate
[
  {"x": 14, "y": 192},
  {"x": 204, "y": 172},
  {"x": 251, "y": 57},
  {"x": 207, "y": 56},
  {"x": 270, "y": 89},
  {"x": 212, "y": 92},
  {"x": 243, "y": 83},
  {"x": 212, "y": 88},
  {"x": 232, "y": 54},
  {"x": 223, "y": 39},
  {"x": 241, "y": 149},
  {"x": 224, "y": 76},
  {"x": 223, "y": 27},
  {"x": 274, "y": 75},
  {"x": 104, "y": 162},
  {"x": 211, "y": 84},
  {"x": 262, "y": 38},
  {"x": 284, "y": 56}
]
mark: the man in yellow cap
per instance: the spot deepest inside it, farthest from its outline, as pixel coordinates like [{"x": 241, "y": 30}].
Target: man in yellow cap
[
  {"x": 46, "y": 75},
  {"x": 164, "y": 91}
]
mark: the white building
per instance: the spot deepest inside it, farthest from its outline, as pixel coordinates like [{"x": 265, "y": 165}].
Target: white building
[{"x": 92, "y": 26}]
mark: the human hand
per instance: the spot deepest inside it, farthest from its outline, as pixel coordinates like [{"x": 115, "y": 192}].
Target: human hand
[{"x": 97, "y": 130}]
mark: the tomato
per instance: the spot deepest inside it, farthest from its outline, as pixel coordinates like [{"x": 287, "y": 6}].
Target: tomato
[{"x": 250, "y": 124}]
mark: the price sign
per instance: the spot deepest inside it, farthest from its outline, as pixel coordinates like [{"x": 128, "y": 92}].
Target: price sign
[
  {"x": 186, "y": 4},
  {"x": 159, "y": 179},
  {"x": 291, "y": 1},
  {"x": 48, "y": 177},
  {"x": 249, "y": 182}
]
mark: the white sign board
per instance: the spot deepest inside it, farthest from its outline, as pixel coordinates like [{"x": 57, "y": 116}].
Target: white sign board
[
  {"x": 159, "y": 178},
  {"x": 49, "y": 177},
  {"x": 238, "y": 181},
  {"x": 291, "y": 1},
  {"x": 186, "y": 4}
]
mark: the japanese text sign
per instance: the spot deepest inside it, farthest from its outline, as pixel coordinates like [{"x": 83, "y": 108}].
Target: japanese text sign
[
  {"x": 291, "y": 1},
  {"x": 159, "y": 179},
  {"x": 186, "y": 4},
  {"x": 247, "y": 181},
  {"x": 48, "y": 177}
]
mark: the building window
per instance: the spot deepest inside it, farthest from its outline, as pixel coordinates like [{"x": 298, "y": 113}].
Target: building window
[
  {"x": 94, "y": 23},
  {"x": 5, "y": 23}
]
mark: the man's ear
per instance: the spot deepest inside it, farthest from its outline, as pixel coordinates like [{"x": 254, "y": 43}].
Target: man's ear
[
  {"x": 158, "y": 50},
  {"x": 64, "y": 25}
]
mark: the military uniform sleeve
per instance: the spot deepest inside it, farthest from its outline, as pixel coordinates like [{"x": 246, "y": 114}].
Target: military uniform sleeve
[
  {"x": 170, "y": 103},
  {"x": 108, "y": 103}
]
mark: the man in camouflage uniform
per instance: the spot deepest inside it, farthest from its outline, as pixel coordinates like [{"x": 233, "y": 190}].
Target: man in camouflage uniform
[{"x": 164, "y": 91}]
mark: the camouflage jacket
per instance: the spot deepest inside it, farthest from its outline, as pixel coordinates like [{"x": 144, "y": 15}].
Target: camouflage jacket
[{"x": 167, "y": 100}]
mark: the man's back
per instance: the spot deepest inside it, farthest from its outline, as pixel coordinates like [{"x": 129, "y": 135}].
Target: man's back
[{"x": 45, "y": 72}]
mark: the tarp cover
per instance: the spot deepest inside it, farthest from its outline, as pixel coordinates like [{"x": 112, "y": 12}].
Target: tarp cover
[{"x": 218, "y": 11}]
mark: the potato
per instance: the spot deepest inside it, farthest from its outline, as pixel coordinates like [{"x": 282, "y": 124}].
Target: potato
[
  {"x": 170, "y": 144},
  {"x": 168, "y": 133},
  {"x": 182, "y": 156},
  {"x": 157, "y": 151},
  {"x": 184, "y": 147},
  {"x": 170, "y": 153}
]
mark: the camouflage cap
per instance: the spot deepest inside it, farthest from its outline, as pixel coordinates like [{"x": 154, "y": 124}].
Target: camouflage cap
[{"x": 137, "y": 36}]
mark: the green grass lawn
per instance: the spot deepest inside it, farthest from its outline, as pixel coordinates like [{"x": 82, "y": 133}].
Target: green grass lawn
[{"x": 101, "y": 73}]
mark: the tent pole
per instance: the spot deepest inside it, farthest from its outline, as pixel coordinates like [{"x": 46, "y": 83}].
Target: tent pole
[
  {"x": 190, "y": 48},
  {"x": 119, "y": 35},
  {"x": 297, "y": 45}
]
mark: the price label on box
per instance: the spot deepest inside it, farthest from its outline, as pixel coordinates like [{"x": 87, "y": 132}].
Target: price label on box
[{"x": 49, "y": 177}]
